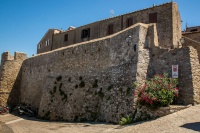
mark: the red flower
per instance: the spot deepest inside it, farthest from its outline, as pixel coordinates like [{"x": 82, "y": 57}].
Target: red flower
[
  {"x": 176, "y": 89},
  {"x": 168, "y": 86}
]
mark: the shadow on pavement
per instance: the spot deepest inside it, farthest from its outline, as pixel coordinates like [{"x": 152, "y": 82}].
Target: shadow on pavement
[
  {"x": 193, "y": 126},
  {"x": 59, "y": 121}
]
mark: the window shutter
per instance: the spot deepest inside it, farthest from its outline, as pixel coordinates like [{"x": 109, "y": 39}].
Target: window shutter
[
  {"x": 82, "y": 34},
  {"x": 110, "y": 29},
  {"x": 130, "y": 21},
  {"x": 88, "y": 32},
  {"x": 85, "y": 33},
  {"x": 127, "y": 23},
  {"x": 66, "y": 37},
  {"x": 153, "y": 17}
]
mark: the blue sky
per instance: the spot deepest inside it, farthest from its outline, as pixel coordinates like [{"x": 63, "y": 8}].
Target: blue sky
[{"x": 24, "y": 22}]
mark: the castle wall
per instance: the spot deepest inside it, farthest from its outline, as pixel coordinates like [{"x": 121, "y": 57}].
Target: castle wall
[
  {"x": 9, "y": 72},
  {"x": 93, "y": 80},
  {"x": 193, "y": 40},
  {"x": 187, "y": 60},
  {"x": 87, "y": 81},
  {"x": 176, "y": 27},
  {"x": 168, "y": 24}
]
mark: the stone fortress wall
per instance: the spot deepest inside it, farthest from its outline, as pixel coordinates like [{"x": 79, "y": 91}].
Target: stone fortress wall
[
  {"x": 86, "y": 81},
  {"x": 166, "y": 16},
  {"x": 192, "y": 38},
  {"x": 9, "y": 75},
  {"x": 93, "y": 79}
]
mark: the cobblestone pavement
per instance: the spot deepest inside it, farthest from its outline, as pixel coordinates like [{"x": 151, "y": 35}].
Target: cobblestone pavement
[{"x": 184, "y": 121}]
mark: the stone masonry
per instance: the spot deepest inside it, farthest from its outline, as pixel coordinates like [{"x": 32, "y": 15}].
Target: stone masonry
[
  {"x": 87, "y": 81},
  {"x": 10, "y": 77},
  {"x": 187, "y": 60},
  {"x": 192, "y": 39},
  {"x": 93, "y": 79}
]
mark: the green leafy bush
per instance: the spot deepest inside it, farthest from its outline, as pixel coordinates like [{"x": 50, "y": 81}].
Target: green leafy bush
[
  {"x": 158, "y": 92},
  {"x": 126, "y": 120}
]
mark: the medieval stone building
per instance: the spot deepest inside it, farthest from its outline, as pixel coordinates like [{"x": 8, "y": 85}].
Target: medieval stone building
[
  {"x": 87, "y": 73},
  {"x": 166, "y": 17}
]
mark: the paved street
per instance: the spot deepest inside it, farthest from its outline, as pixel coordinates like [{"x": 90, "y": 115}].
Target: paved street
[{"x": 184, "y": 121}]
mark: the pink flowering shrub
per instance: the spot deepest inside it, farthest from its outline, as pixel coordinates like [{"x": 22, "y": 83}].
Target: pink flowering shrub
[{"x": 158, "y": 92}]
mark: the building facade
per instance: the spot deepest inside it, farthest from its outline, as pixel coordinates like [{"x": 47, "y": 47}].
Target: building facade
[
  {"x": 166, "y": 17},
  {"x": 46, "y": 42}
]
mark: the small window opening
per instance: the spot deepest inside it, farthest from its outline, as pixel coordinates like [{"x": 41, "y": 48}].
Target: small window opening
[
  {"x": 110, "y": 29},
  {"x": 85, "y": 33},
  {"x": 129, "y": 22},
  {"x": 153, "y": 17},
  {"x": 135, "y": 47},
  {"x": 66, "y": 37},
  {"x": 47, "y": 43}
]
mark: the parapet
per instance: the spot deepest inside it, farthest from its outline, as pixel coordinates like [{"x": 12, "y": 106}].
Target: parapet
[
  {"x": 20, "y": 56},
  {"x": 6, "y": 56}
]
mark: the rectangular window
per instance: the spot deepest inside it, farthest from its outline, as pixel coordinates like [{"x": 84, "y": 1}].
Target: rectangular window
[
  {"x": 39, "y": 46},
  {"x": 66, "y": 37},
  {"x": 46, "y": 43},
  {"x": 110, "y": 29},
  {"x": 129, "y": 22},
  {"x": 153, "y": 17},
  {"x": 85, "y": 33}
]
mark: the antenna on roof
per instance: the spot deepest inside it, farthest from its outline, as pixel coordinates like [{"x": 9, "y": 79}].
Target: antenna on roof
[
  {"x": 186, "y": 25},
  {"x": 112, "y": 12}
]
